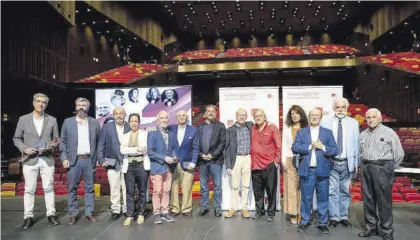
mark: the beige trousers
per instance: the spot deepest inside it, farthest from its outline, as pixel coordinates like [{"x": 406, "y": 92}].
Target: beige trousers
[
  {"x": 241, "y": 172},
  {"x": 185, "y": 178}
]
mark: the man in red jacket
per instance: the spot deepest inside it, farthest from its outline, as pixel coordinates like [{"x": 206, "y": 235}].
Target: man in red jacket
[{"x": 265, "y": 159}]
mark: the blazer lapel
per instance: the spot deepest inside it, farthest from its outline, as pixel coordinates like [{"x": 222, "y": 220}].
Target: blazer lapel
[
  {"x": 176, "y": 136},
  {"x": 76, "y": 132},
  {"x": 187, "y": 133},
  {"x": 90, "y": 125},
  {"x": 44, "y": 125}
]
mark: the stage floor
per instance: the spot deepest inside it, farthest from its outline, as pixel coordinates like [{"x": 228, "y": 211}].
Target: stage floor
[{"x": 406, "y": 216}]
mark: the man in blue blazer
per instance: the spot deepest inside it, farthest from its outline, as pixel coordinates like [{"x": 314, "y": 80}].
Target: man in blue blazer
[
  {"x": 184, "y": 143},
  {"x": 316, "y": 146},
  {"x": 158, "y": 140},
  {"x": 110, "y": 157},
  {"x": 346, "y": 134},
  {"x": 79, "y": 138}
]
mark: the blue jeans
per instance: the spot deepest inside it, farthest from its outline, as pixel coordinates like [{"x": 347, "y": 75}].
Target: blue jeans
[
  {"x": 340, "y": 197},
  {"x": 73, "y": 175},
  {"x": 215, "y": 170},
  {"x": 308, "y": 185}
]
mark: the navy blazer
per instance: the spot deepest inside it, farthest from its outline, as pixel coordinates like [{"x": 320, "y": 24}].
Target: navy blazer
[
  {"x": 323, "y": 159},
  {"x": 156, "y": 150},
  {"x": 69, "y": 139},
  {"x": 109, "y": 144},
  {"x": 189, "y": 148}
]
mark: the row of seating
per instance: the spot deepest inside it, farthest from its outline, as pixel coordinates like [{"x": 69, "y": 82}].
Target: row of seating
[
  {"x": 409, "y": 61},
  {"x": 267, "y": 51}
]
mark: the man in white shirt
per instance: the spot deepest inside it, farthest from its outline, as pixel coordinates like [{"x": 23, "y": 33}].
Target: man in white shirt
[
  {"x": 346, "y": 134},
  {"x": 110, "y": 157},
  {"x": 32, "y": 142},
  {"x": 79, "y": 136},
  {"x": 185, "y": 147},
  {"x": 316, "y": 146}
]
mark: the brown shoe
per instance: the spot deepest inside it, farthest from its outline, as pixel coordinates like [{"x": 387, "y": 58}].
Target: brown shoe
[
  {"x": 246, "y": 214},
  {"x": 92, "y": 219},
  {"x": 230, "y": 214},
  {"x": 72, "y": 221}
]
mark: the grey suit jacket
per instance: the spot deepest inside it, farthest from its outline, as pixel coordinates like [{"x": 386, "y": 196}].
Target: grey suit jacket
[
  {"x": 69, "y": 140},
  {"x": 26, "y": 136}
]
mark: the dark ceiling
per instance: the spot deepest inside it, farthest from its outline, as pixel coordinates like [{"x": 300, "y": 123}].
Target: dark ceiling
[{"x": 205, "y": 18}]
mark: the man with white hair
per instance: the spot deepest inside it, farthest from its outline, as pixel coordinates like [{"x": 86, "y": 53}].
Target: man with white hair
[
  {"x": 185, "y": 146},
  {"x": 158, "y": 149},
  {"x": 380, "y": 153},
  {"x": 79, "y": 138},
  {"x": 33, "y": 133},
  {"x": 346, "y": 134},
  {"x": 110, "y": 157}
]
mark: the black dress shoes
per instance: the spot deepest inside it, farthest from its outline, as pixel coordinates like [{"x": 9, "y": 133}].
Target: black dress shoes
[
  {"x": 302, "y": 227},
  {"x": 114, "y": 217},
  {"x": 333, "y": 223},
  {"x": 324, "y": 229},
  {"x": 29, "y": 222},
  {"x": 368, "y": 233},
  {"x": 346, "y": 223},
  {"x": 217, "y": 213},
  {"x": 257, "y": 216},
  {"x": 203, "y": 212},
  {"x": 53, "y": 220}
]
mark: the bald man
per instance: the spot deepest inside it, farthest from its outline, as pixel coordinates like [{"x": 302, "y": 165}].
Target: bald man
[
  {"x": 185, "y": 146},
  {"x": 158, "y": 144},
  {"x": 317, "y": 148},
  {"x": 380, "y": 153},
  {"x": 110, "y": 157}
]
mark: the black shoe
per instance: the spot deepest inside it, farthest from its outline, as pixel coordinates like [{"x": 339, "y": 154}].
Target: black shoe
[
  {"x": 333, "y": 223},
  {"x": 53, "y": 220},
  {"x": 270, "y": 219},
  {"x": 72, "y": 220},
  {"x": 203, "y": 212},
  {"x": 29, "y": 222},
  {"x": 302, "y": 227},
  {"x": 187, "y": 214},
  {"x": 157, "y": 219},
  {"x": 324, "y": 229},
  {"x": 114, "y": 217},
  {"x": 217, "y": 213},
  {"x": 346, "y": 223},
  {"x": 257, "y": 216},
  {"x": 174, "y": 214},
  {"x": 368, "y": 233},
  {"x": 167, "y": 217}
]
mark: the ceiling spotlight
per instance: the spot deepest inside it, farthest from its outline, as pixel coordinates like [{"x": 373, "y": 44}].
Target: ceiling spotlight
[
  {"x": 77, "y": 11},
  {"x": 286, "y": 5},
  {"x": 406, "y": 23},
  {"x": 185, "y": 26},
  {"x": 83, "y": 23},
  {"x": 88, "y": 9},
  {"x": 107, "y": 31},
  {"x": 282, "y": 21},
  {"x": 106, "y": 21},
  {"x": 262, "y": 21},
  {"x": 213, "y": 3},
  {"x": 390, "y": 33},
  {"x": 93, "y": 22}
]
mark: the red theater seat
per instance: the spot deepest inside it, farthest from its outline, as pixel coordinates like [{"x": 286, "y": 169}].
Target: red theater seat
[
  {"x": 398, "y": 185},
  {"x": 356, "y": 197},
  {"x": 405, "y": 190},
  {"x": 404, "y": 180},
  {"x": 396, "y": 197},
  {"x": 394, "y": 190},
  {"x": 413, "y": 198}
]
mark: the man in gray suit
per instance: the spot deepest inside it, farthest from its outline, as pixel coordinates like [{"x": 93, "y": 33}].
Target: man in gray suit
[
  {"x": 109, "y": 156},
  {"x": 33, "y": 132},
  {"x": 79, "y": 137}
]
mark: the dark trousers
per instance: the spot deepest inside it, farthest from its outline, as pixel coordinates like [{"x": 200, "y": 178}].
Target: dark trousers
[
  {"x": 265, "y": 179},
  {"x": 308, "y": 185},
  {"x": 377, "y": 181},
  {"x": 136, "y": 175},
  {"x": 85, "y": 167},
  {"x": 215, "y": 170}
]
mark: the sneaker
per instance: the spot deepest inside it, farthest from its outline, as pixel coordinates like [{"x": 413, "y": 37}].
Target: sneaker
[
  {"x": 257, "y": 216},
  {"x": 140, "y": 219},
  {"x": 270, "y": 219},
  {"x": 157, "y": 219},
  {"x": 246, "y": 214},
  {"x": 230, "y": 214},
  {"x": 167, "y": 217}
]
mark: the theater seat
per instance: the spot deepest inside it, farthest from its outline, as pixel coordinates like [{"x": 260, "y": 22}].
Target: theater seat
[
  {"x": 404, "y": 180},
  {"x": 405, "y": 190},
  {"x": 396, "y": 197},
  {"x": 413, "y": 198}
]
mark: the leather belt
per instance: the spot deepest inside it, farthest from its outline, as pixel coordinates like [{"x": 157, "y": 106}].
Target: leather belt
[
  {"x": 312, "y": 167},
  {"x": 83, "y": 156},
  {"x": 242, "y": 154},
  {"x": 340, "y": 160}
]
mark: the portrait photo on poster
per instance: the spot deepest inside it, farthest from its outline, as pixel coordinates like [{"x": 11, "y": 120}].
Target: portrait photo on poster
[
  {"x": 169, "y": 97},
  {"x": 133, "y": 95},
  {"x": 117, "y": 98},
  {"x": 153, "y": 95}
]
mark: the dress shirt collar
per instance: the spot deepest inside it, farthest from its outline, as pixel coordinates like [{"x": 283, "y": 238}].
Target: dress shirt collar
[
  {"x": 314, "y": 128},
  {"x": 182, "y": 126}
]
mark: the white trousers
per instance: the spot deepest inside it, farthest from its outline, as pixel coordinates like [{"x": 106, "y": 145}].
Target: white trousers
[
  {"x": 31, "y": 176},
  {"x": 241, "y": 173},
  {"x": 116, "y": 185}
]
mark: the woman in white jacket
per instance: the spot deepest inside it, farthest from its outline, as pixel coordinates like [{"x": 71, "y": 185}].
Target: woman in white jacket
[
  {"x": 135, "y": 166},
  {"x": 296, "y": 119}
]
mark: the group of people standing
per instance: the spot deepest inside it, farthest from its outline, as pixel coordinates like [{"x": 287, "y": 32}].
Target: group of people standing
[{"x": 318, "y": 156}]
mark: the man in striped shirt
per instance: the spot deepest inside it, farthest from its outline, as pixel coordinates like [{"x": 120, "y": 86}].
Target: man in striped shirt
[{"x": 380, "y": 153}]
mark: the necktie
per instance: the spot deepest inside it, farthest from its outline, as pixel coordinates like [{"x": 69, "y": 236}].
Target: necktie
[{"x": 340, "y": 137}]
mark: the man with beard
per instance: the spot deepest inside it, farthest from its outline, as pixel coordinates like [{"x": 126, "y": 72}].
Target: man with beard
[
  {"x": 346, "y": 134},
  {"x": 110, "y": 157},
  {"x": 33, "y": 132},
  {"x": 79, "y": 137}
]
